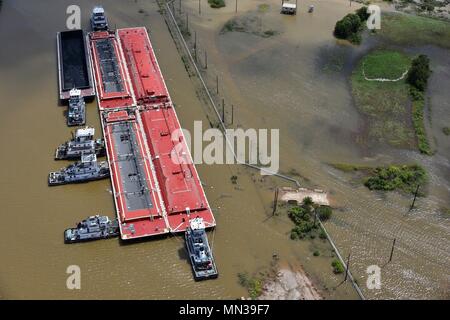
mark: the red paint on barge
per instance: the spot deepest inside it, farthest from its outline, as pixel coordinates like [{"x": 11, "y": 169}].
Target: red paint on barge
[{"x": 153, "y": 192}]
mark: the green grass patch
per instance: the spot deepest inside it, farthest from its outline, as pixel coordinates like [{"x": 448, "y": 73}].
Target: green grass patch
[
  {"x": 415, "y": 30},
  {"x": 263, "y": 7},
  {"x": 216, "y": 3},
  {"x": 404, "y": 178},
  {"x": 386, "y": 64},
  {"x": 338, "y": 267},
  {"x": 346, "y": 167},
  {"x": 386, "y": 105},
  {"x": 253, "y": 285}
]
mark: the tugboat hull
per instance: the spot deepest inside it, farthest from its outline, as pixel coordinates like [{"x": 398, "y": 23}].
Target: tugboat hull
[
  {"x": 57, "y": 179},
  {"x": 65, "y": 152},
  {"x": 200, "y": 271},
  {"x": 69, "y": 238},
  {"x": 93, "y": 228}
]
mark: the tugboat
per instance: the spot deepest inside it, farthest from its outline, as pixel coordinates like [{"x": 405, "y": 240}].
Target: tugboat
[
  {"x": 200, "y": 253},
  {"x": 93, "y": 228},
  {"x": 76, "y": 116},
  {"x": 98, "y": 19},
  {"x": 87, "y": 169},
  {"x": 82, "y": 143}
]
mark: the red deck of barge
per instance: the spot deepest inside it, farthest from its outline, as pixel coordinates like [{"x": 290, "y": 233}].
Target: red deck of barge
[{"x": 153, "y": 194}]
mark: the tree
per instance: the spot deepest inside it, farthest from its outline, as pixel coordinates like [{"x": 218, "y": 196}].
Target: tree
[
  {"x": 362, "y": 13},
  {"x": 419, "y": 73},
  {"x": 347, "y": 26}
]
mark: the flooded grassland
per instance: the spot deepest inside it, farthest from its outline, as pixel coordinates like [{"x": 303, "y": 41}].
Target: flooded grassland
[{"x": 289, "y": 72}]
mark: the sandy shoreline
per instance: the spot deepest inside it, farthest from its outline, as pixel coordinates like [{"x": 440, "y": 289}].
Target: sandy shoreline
[{"x": 290, "y": 284}]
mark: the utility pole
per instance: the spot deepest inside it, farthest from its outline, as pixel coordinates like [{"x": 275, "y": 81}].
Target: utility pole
[
  {"x": 217, "y": 84},
  {"x": 195, "y": 45},
  {"x": 232, "y": 114},
  {"x": 187, "y": 23},
  {"x": 415, "y": 196},
  {"x": 346, "y": 269},
  {"x": 206, "y": 60},
  {"x": 275, "y": 202},
  {"x": 236, "y": 6},
  {"x": 180, "y": 8},
  {"x": 223, "y": 111},
  {"x": 392, "y": 250},
  {"x": 199, "y": 7}
]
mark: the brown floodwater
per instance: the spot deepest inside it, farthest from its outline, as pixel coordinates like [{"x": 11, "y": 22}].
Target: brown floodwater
[
  {"x": 33, "y": 257},
  {"x": 298, "y": 81}
]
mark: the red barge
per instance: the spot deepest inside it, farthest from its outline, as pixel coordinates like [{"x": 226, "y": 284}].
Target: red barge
[{"x": 155, "y": 191}]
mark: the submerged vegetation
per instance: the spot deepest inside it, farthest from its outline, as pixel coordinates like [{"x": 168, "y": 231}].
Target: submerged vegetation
[
  {"x": 405, "y": 178},
  {"x": 446, "y": 131},
  {"x": 384, "y": 103},
  {"x": 385, "y": 85},
  {"x": 351, "y": 26},
  {"x": 216, "y": 3},
  {"x": 408, "y": 29},
  {"x": 388, "y": 178},
  {"x": 249, "y": 24},
  {"x": 303, "y": 217}
]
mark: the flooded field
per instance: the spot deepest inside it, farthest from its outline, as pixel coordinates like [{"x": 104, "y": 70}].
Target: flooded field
[
  {"x": 297, "y": 79},
  {"x": 32, "y": 124}
]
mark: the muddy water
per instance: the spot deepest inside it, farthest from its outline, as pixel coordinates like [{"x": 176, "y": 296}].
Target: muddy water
[
  {"x": 34, "y": 258},
  {"x": 298, "y": 81}
]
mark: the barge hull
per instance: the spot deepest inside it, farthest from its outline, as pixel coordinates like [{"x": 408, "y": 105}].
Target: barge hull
[
  {"x": 152, "y": 194},
  {"x": 74, "y": 64}
]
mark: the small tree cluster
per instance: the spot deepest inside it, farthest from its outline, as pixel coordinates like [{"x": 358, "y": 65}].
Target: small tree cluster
[
  {"x": 303, "y": 217},
  {"x": 350, "y": 26},
  {"x": 419, "y": 73}
]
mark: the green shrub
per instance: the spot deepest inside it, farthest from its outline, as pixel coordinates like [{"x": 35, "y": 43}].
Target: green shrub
[
  {"x": 216, "y": 3},
  {"x": 316, "y": 253},
  {"x": 253, "y": 285},
  {"x": 324, "y": 212},
  {"x": 337, "y": 266},
  {"x": 419, "y": 73},
  {"x": 362, "y": 13},
  {"x": 390, "y": 178},
  {"x": 347, "y": 26},
  {"x": 419, "y": 126},
  {"x": 322, "y": 234},
  {"x": 446, "y": 131}
]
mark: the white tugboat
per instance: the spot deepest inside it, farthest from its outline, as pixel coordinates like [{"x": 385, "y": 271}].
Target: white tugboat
[
  {"x": 93, "y": 228},
  {"x": 87, "y": 169},
  {"x": 98, "y": 19},
  {"x": 82, "y": 143},
  {"x": 76, "y": 115}
]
